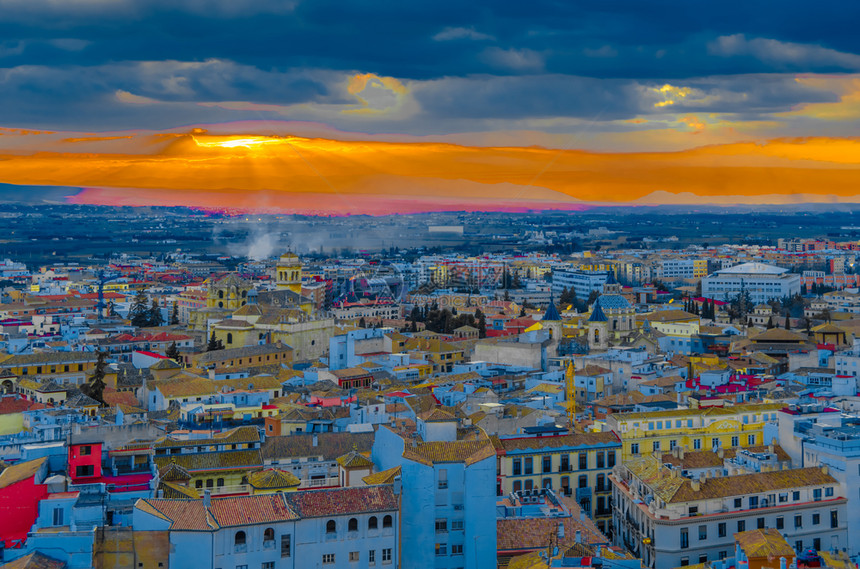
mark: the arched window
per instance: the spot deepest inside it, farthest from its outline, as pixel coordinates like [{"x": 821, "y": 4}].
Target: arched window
[
  {"x": 353, "y": 525},
  {"x": 240, "y": 538},
  {"x": 330, "y": 527},
  {"x": 387, "y": 521},
  {"x": 269, "y": 535},
  {"x": 229, "y": 337},
  {"x": 220, "y": 304},
  {"x": 220, "y": 294},
  {"x": 372, "y": 523},
  {"x": 518, "y": 486},
  {"x": 209, "y": 483},
  {"x": 219, "y": 482}
]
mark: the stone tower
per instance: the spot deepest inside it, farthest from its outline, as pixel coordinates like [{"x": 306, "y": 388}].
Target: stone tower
[{"x": 288, "y": 273}]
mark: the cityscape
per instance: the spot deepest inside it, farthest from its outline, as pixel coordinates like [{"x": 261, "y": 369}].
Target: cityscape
[{"x": 302, "y": 284}]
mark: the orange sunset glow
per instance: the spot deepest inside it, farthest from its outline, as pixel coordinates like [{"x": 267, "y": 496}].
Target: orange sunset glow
[{"x": 251, "y": 171}]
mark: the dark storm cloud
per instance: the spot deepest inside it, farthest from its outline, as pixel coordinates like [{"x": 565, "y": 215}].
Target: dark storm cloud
[{"x": 64, "y": 61}]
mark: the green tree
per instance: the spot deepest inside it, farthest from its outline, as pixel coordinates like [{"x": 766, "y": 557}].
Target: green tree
[
  {"x": 139, "y": 312},
  {"x": 788, "y": 322},
  {"x": 155, "y": 318},
  {"x": 482, "y": 323},
  {"x": 174, "y": 315},
  {"x": 95, "y": 385},
  {"x": 172, "y": 352},
  {"x": 213, "y": 343},
  {"x": 770, "y": 323}
]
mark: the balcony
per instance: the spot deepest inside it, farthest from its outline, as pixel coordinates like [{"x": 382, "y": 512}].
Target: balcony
[{"x": 320, "y": 482}]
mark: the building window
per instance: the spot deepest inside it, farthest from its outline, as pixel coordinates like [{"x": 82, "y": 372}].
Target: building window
[
  {"x": 441, "y": 526},
  {"x": 655, "y": 445},
  {"x": 751, "y": 440},
  {"x": 601, "y": 482},
  {"x": 268, "y": 565},
  {"x": 828, "y": 491},
  {"x": 386, "y": 522},
  {"x": 734, "y": 441},
  {"x": 795, "y": 496},
  {"x": 457, "y": 525},
  {"x": 371, "y": 557},
  {"x": 546, "y": 483},
  {"x": 685, "y": 561},
  {"x": 816, "y": 519},
  {"x": 697, "y": 444},
  {"x": 565, "y": 463},
  {"x": 353, "y": 555},
  {"x": 85, "y": 470},
  {"x": 634, "y": 448},
  {"x": 798, "y": 545},
  {"x": 372, "y": 523},
  {"x": 58, "y": 516},
  {"x": 816, "y": 495},
  {"x": 441, "y": 549},
  {"x": 780, "y": 522},
  {"x": 834, "y": 519},
  {"x": 742, "y": 525},
  {"x": 517, "y": 467},
  {"x": 239, "y": 539},
  {"x": 703, "y": 558},
  {"x": 352, "y": 525},
  {"x": 760, "y": 523},
  {"x": 328, "y": 558},
  {"x": 721, "y": 529},
  {"x": 601, "y": 460},
  {"x": 220, "y": 483},
  {"x": 547, "y": 464},
  {"x": 285, "y": 545},
  {"x": 529, "y": 467},
  {"x": 610, "y": 458},
  {"x": 331, "y": 527},
  {"x": 685, "y": 538},
  {"x": 457, "y": 549},
  {"x": 753, "y": 502},
  {"x": 583, "y": 461},
  {"x": 518, "y": 486},
  {"x": 86, "y": 450},
  {"x": 798, "y": 521},
  {"x": 583, "y": 481},
  {"x": 715, "y": 442},
  {"x": 386, "y": 555},
  {"x": 703, "y": 533},
  {"x": 268, "y": 536}
]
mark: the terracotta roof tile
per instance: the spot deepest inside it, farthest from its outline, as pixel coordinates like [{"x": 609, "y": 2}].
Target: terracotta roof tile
[{"x": 339, "y": 501}]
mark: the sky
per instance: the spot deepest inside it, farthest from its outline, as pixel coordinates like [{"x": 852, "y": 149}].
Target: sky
[{"x": 327, "y": 107}]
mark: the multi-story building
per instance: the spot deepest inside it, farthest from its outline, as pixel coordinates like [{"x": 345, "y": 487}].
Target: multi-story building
[
  {"x": 669, "y": 520},
  {"x": 762, "y": 282},
  {"x": 833, "y": 440},
  {"x": 449, "y": 499},
  {"x": 573, "y": 464},
  {"x": 583, "y": 283},
  {"x": 343, "y": 527},
  {"x": 695, "y": 429},
  {"x": 680, "y": 269}
]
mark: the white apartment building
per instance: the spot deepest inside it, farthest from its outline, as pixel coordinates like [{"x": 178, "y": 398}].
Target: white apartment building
[
  {"x": 763, "y": 282},
  {"x": 668, "y": 520},
  {"x": 582, "y": 282}
]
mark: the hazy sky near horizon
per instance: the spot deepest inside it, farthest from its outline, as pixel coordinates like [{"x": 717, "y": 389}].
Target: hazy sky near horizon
[{"x": 613, "y": 77}]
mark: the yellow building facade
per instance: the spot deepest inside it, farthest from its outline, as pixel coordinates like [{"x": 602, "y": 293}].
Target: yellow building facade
[
  {"x": 696, "y": 429},
  {"x": 577, "y": 465},
  {"x": 288, "y": 273}
]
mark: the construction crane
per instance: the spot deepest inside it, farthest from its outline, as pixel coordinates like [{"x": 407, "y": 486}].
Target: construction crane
[{"x": 570, "y": 387}]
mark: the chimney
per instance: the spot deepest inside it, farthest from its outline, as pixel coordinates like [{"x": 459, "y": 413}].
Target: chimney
[
  {"x": 207, "y": 498},
  {"x": 658, "y": 454},
  {"x": 578, "y": 536},
  {"x": 825, "y": 469},
  {"x": 782, "y": 563},
  {"x": 695, "y": 484},
  {"x": 681, "y": 453},
  {"x": 721, "y": 453}
]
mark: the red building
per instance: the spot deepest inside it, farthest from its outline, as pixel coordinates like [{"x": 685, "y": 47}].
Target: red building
[
  {"x": 21, "y": 489},
  {"x": 85, "y": 462}
]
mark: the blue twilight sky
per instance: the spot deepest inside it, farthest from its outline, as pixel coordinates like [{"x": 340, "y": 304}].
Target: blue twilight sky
[{"x": 607, "y": 75}]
